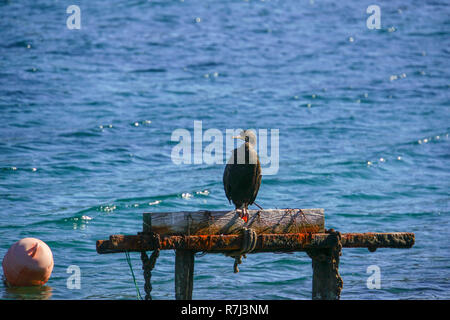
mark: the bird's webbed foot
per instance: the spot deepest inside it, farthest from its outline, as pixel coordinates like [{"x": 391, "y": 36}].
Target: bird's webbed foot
[
  {"x": 245, "y": 217},
  {"x": 243, "y": 213}
]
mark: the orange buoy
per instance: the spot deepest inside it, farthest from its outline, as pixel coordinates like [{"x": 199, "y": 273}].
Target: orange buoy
[{"x": 29, "y": 262}]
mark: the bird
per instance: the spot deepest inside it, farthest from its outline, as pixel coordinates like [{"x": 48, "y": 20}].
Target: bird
[{"x": 242, "y": 174}]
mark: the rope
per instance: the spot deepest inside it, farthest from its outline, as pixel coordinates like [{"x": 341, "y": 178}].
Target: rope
[
  {"x": 248, "y": 245},
  {"x": 127, "y": 256},
  {"x": 149, "y": 263}
]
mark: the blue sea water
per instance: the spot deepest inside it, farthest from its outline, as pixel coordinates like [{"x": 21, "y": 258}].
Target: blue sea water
[{"x": 363, "y": 115}]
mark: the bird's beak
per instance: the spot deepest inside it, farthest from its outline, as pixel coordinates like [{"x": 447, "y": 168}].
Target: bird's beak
[{"x": 237, "y": 137}]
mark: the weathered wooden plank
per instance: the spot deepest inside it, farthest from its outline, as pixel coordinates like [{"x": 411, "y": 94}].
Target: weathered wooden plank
[
  {"x": 270, "y": 221},
  {"x": 265, "y": 243},
  {"x": 184, "y": 274}
]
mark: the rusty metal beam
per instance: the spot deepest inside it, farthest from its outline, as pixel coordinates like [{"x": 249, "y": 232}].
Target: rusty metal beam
[
  {"x": 266, "y": 242},
  {"x": 374, "y": 240}
]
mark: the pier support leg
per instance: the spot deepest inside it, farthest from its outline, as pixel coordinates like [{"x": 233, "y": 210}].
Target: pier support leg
[
  {"x": 327, "y": 283},
  {"x": 184, "y": 274}
]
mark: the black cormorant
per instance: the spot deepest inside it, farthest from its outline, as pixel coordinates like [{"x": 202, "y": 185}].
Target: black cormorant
[{"x": 242, "y": 175}]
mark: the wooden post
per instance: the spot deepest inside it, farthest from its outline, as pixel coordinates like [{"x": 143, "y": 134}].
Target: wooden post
[
  {"x": 184, "y": 274},
  {"x": 327, "y": 282}
]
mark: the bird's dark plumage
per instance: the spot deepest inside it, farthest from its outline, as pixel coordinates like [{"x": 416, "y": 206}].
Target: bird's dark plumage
[{"x": 241, "y": 181}]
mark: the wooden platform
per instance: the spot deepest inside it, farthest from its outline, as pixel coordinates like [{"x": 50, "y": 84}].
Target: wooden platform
[{"x": 278, "y": 230}]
